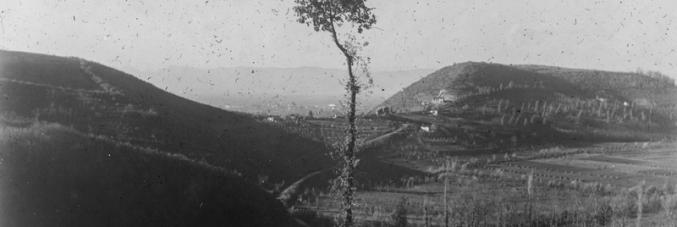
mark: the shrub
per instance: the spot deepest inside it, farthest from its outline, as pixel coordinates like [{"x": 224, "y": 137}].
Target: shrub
[
  {"x": 603, "y": 213},
  {"x": 669, "y": 204},
  {"x": 624, "y": 205},
  {"x": 399, "y": 217}
]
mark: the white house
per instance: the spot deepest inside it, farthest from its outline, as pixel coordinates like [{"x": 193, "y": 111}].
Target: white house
[
  {"x": 437, "y": 101},
  {"x": 443, "y": 96},
  {"x": 446, "y": 96}
]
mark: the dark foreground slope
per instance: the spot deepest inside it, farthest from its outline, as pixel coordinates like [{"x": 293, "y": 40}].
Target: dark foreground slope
[
  {"x": 95, "y": 99},
  {"x": 52, "y": 175}
]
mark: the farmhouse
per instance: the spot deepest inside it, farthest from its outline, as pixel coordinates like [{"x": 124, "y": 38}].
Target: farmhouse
[
  {"x": 447, "y": 96},
  {"x": 429, "y": 127},
  {"x": 383, "y": 111},
  {"x": 444, "y": 96}
]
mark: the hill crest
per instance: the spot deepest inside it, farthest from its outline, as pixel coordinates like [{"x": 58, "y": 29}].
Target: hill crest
[{"x": 470, "y": 78}]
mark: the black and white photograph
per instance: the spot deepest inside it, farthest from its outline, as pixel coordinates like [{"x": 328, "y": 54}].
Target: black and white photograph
[{"x": 346, "y": 113}]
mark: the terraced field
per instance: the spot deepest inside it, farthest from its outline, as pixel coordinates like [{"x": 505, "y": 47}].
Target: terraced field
[{"x": 335, "y": 129}]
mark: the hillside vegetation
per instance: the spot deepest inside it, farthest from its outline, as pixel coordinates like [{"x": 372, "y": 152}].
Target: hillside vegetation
[
  {"x": 648, "y": 89},
  {"x": 93, "y": 98},
  {"x": 486, "y": 106}
]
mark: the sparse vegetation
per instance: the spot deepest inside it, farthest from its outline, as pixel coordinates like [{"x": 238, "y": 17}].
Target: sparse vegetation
[{"x": 399, "y": 216}]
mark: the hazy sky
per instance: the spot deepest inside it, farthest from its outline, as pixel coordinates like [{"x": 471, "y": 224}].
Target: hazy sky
[{"x": 147, "y": 35}]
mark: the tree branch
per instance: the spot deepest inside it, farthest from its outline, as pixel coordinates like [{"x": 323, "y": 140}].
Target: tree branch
[{"x": 334, "y": 36}]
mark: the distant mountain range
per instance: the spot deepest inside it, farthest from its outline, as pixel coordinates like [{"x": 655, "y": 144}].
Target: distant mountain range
[{"x": 279, "y": 91}]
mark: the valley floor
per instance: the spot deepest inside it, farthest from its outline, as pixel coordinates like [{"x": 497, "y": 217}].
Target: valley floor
[{"x": 596, "y": 185}]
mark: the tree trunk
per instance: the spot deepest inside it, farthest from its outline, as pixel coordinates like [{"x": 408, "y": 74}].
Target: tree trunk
[
  {"x": 347, "y": 174},
  {"x": 349, "y": 155},
  {"x": 446, "y": 201},
  {"x": 640, "y": 193}
]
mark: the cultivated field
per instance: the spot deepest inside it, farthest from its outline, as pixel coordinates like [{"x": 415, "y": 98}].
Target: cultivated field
[{"x": 596, "y": 185}]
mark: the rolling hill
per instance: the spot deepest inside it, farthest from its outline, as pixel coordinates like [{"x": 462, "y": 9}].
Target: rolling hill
[
  {"x": 95, "y": 99},
  {"x": 479, "y": 106},
  {"x": 465, "y": 79}
]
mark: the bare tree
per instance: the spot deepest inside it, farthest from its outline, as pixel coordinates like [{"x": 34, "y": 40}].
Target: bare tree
[{"x": 327, "y": 16}]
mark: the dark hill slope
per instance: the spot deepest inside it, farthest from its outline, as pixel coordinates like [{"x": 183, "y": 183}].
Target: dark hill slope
[
  {"x": 51, "y": 175},
  {"x": 96, "y": 99}
]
